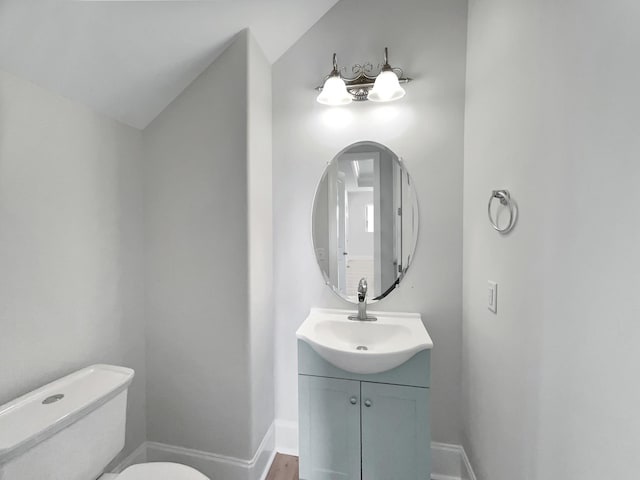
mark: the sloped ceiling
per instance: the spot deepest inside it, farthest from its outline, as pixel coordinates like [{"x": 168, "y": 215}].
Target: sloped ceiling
[{"x": 130, "y": 59}]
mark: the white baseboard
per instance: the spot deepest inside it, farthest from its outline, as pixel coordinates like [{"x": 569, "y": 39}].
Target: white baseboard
[
  {"x": 139, "y": 455},
  {"x": 286, "y": 437},
  {"x": 269, "y": 462},
  {"x": 212, "y": 465},
  {"x": 448, "y": 462},
  {"x": 468, "y": 469}
]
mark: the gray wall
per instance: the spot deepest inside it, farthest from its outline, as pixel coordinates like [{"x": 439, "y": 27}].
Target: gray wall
[
  {"x": 71, "y": 290},
  {"x": 549, "y": 382},
  {"x": 208, "y": 263},
  {"x": 428, "y": 39}
]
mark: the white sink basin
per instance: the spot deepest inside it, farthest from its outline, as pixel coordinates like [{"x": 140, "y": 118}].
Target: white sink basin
[{"x": 364, "y": 347}]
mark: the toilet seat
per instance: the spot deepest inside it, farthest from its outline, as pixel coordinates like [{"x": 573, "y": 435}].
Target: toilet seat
[{"x": 160, "y": 471}]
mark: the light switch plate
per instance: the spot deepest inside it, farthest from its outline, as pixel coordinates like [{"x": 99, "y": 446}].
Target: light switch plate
[{"x": 492, "y": 297}]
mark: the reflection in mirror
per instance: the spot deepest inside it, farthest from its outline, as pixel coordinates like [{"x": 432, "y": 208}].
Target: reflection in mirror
[{"x": 365, "y": 221}]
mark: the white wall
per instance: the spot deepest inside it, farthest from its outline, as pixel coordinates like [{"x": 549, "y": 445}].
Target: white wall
[
  {"x": 71, "y": 290},
  {"x": 360, "y": 242},
  {"x": 72, "y": 262},
  {"x": 552, "y": 115},
  {"x": 504, "y": 148},
  {"x": 209, "y": 262},
  {"x": 589, "y": 394},
  {"x": 260, "y": 221},
  {"x": 197, "y": 308},
  {"x": 428, "y": 39}
]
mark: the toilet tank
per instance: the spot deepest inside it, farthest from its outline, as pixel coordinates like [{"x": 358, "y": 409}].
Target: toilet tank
[{"x": 70, "y": 429}]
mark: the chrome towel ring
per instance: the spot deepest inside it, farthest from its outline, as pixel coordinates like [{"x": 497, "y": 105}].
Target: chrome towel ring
[{"x": 505, "y": 200}]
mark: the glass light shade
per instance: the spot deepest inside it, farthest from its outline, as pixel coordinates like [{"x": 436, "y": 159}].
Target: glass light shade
[
  {"x": 387, "y": 88},
  {"x": 334, "y": 92}
]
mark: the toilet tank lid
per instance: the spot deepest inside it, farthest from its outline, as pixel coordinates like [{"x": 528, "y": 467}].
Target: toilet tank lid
[{"x": 36, "y": 416}]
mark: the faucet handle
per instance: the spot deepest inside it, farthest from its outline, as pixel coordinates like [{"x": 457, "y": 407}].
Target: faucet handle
[
  {"x": 362, "y": 289},
  {"x": 362, "y": 303}
]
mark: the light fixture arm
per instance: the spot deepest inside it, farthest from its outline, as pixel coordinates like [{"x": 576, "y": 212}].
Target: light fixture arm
[{"x": 388, "y": 68}]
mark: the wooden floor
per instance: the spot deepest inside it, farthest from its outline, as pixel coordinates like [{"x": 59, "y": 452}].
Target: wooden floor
[{"x": 284, "y": 467}]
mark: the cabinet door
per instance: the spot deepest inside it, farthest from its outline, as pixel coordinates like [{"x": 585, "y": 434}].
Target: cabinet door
[
  {"x": 395, "y": 432},
  {"x": 329, "y": 423}
]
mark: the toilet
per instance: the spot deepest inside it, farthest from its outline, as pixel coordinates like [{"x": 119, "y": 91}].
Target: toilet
[
  {"x": 156, "y": 471},
  {"x": 72, "y": 428}
]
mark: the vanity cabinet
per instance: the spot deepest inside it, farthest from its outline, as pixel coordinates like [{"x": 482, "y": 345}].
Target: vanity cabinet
[
  {"x": 369, "y": 427},
  {"x": 329, "y": 428},
  {"x": 395, "y": 432}
]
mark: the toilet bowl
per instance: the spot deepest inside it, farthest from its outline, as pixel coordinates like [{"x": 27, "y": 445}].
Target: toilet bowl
[
  {"x": 72, "y": 428},
  {"x": 156, "y": 471}
]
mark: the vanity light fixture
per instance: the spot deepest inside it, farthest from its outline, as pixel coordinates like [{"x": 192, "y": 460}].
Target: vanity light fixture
[
  {"x": 378, "y": 84},
  {"x": 387, "y": 86},
  {"x": 334, "y": 91}
]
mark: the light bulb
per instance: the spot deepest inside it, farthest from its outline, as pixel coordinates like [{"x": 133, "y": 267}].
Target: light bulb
[
  {"x": 334, "y": 92},
  {"x": 386, "y": 88}
]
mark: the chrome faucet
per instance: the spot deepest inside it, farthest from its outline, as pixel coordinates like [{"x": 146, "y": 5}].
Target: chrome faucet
[{"x": 362, "y": 303}]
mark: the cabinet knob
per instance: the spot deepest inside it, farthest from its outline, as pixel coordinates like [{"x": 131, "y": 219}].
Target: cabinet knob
[
  {"x": 353, "y": 400},
  {"x": 368, "y": 403}
]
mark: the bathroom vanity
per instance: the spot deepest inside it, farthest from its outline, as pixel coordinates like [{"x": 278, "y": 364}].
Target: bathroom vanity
[
  {"x": 353, "y": 425},
  {"x": 363, "y": 378}
]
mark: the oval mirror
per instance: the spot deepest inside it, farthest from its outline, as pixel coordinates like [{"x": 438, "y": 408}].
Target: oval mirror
[{"x": 365, "y": 221}]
